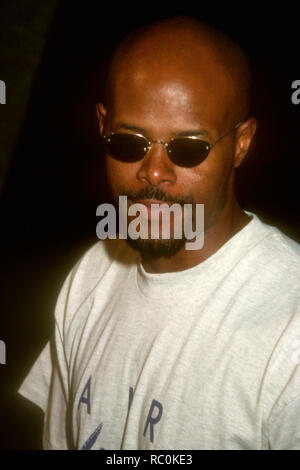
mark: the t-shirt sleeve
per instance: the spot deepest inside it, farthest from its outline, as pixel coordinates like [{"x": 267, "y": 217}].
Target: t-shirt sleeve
[
  {"x": 47, "y": 384},
  {"x": 283, "y": 425},
  {"x": 36, "y": 385},
  {"x": 284, "y": 431}
]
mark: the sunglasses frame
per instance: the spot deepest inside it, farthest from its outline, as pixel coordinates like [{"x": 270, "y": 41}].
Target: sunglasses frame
[{"x": 208, "y": 146}]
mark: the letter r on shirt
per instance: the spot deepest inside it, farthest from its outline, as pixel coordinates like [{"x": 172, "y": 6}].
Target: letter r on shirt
[{"x": 152, "y": 419}]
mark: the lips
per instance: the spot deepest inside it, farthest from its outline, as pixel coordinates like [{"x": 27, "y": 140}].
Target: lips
[
  {"x": 148, "y": 202},
  {"x": 153, "y": 213}
]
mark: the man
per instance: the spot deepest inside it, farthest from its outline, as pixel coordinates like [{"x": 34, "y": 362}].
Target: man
[{"x": 157, "y": 346}]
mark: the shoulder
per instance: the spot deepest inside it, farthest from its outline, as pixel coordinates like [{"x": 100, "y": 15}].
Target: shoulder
[
  {"x": 101, "y": 256},
  {"x": 277, "y": 252},
  {"x": 267, "y": 271},
  {"x": 106, "y": 259}
]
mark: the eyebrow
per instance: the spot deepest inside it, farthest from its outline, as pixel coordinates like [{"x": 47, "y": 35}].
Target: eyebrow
[{"x": 140, "y": 130}]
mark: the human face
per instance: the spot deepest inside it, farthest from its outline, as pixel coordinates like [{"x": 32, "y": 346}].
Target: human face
[{"x": 162, "y": 105}]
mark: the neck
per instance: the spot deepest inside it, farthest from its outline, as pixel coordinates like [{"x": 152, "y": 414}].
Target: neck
[{"x": 231, "y": 220}]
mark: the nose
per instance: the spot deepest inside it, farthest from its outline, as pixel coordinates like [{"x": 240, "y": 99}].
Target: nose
[{"x": 156, "y": 167}]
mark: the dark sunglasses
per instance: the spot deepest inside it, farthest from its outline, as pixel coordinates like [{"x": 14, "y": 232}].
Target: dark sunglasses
[{"x": 183, "y": 151}]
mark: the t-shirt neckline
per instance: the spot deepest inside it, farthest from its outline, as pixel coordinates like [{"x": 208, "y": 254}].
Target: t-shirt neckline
[{"x": 166, "y": 285}]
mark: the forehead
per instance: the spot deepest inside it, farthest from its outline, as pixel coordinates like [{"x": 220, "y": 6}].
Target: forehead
[{"x": 175, "y": 87}]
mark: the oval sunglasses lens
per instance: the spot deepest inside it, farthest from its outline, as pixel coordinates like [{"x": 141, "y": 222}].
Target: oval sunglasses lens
[
  {"x": 188, "y": 152},
  {"x": 126, "y": 147}
]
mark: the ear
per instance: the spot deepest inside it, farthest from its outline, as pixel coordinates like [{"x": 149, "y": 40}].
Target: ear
[
  {"x": 101, "y": 113},
  {"x": 244, "y": 137}
]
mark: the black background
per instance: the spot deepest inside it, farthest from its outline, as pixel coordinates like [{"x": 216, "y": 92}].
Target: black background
[{"x": 56, "y": 178}]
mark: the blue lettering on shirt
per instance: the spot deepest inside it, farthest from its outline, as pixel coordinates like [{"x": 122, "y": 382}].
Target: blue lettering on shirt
[
  {"x": 92, "y": 439},
  {"x": 86, "y": 399}
]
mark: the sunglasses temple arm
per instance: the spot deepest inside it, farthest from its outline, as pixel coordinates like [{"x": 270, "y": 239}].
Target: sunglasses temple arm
[{"x": 235, "y": 127}]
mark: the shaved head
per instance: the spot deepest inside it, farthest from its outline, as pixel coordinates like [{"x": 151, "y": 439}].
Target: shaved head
[
  {"x": 176, "y": 77},
  {"x": 184, "y": 44}
]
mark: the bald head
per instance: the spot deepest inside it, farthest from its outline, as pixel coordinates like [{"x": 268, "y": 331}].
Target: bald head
[
  {"x": 183, "y": 48},
  {"x": 179, "y": 77}
]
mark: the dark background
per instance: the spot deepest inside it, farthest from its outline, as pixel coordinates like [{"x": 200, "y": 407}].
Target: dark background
[{"x": 55, "y": 174}]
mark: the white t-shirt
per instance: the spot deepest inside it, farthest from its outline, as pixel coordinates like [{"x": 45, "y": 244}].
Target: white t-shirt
[{"x": 205, "y": 358}]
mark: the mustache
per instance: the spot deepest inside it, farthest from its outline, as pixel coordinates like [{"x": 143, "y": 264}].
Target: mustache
[{"x": 153, "y": 192}]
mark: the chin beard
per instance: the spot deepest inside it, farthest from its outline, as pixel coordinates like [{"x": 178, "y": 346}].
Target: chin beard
[
  {"x": 157, "y": 248},
  {"x": 154, "y": 249}
]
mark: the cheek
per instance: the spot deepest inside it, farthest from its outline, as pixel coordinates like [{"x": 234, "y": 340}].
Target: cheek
[
  {"x": 114, "y": 174},
  {"x": 119, "y": 175},
  {"x": 210, "y": 180}
]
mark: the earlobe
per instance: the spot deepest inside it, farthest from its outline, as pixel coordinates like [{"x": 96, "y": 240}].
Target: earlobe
[{"x": 245, "y": 136}]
